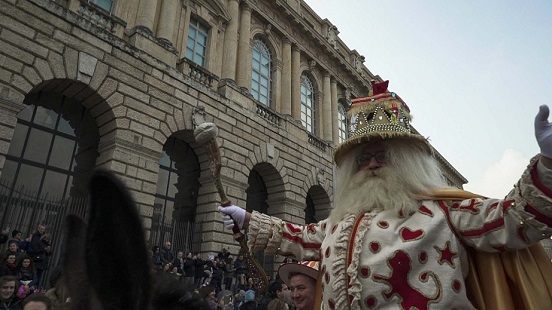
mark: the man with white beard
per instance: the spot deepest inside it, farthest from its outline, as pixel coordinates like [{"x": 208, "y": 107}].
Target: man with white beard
[{"x": 400, "y": 238}]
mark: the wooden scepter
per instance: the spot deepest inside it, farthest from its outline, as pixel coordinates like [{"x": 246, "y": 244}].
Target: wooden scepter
[{"x": 206, "y": 134}]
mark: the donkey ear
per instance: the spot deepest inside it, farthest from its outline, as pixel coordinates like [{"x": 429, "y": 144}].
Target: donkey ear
[
  {"x": 74, "y": 265},
  {"x": 117, "y": 264}
]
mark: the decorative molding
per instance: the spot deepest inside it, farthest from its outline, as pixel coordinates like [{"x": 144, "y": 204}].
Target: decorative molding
[
  {"x": 320, "y": 177},
  {"x": 312, "y": 65},
  {"x": 268, "y": 29},
  {"x": 331, "y": 36},
  {"x": 198, "y": 115}
]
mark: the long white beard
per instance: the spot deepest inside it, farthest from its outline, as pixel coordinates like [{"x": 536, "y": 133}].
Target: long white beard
[{"x": 366, "y": 190}]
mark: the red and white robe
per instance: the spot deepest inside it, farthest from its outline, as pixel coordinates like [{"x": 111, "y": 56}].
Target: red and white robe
[{"x": 386, "y": 260}]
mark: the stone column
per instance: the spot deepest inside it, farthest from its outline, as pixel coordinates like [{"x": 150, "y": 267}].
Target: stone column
[
  {"x": 231, "y": 42},
  {"x": 244, "y": 49},
  {"x": 335, "y": 113},
  {"x": 296, "y": 82},
  {"x": 286, "y": 77},
  {"x": 277, "y": 86},
  {"x": 146, "y": 14},
  {"x": 137, "y": 166},
  {"x": 167, "y": 18},
  {"x": 326, "y": 131}
]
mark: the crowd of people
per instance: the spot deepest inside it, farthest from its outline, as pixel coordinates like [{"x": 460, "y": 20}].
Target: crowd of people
[
  {"x": 22, "y": 266},
  {"x": 219, "y": 282}
]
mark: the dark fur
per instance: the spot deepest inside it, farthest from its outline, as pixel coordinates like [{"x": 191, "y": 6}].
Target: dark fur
[{"x": 106, "y": 263}]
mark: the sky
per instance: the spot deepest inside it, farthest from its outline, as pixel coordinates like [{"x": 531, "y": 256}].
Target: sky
[{"x": 473, "y": 73}]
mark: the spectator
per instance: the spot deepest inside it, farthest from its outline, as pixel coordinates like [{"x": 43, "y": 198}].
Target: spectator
[
  {"x": 208, "y": 270},
  {"x": 223, "y": 254},
  {"x": 36, "y": 239},
  {"x": 21, "y": 243},
  {"x": 36, "y": 302},
  {"x": 225, "y": 302},
  {"x": 167, "y": 268},
  {"x": 216, "y": 278},
  {"x": 280, "y": 294},
  {"x": 207, "y": 293},
  {"x": 175, "y": 274},
  {"x": 239, "y": 298},
  {"x": 41, "y": 252},
  {"x": 188, "y": 271},
  {"x": 249, "y": 302},
  {"x": 199, "y": 275},
  {"x": 167, "y": 255},
  {"x": 13, "y": 249},
  {"x": 4, "y": 235},
  {"x": 178, "y": 261},
  {"x": 27, "y": 274},
  {"x": 240, "y": 269},
  {"x": 301, "y": 280},
  {"x": 8, "y": 290},
  {"x": 9, "y": 267},
  {"x": 156, "y": 258},
  {"x": 228, "y": 274}
]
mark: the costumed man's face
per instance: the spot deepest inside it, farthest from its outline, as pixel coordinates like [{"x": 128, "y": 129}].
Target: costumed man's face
[
  {"x": 372, "y": 157},
  {"x": 303, "y": 289},
  {"x": 6, "y": 290}
]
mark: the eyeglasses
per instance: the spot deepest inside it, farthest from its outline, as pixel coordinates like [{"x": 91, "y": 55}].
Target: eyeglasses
[{"x": 366, "y": 158}]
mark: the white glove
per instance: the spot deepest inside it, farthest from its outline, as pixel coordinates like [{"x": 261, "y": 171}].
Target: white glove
[
  {"x": 230, "y": 214},
  {"x": 543, "y": 131}
]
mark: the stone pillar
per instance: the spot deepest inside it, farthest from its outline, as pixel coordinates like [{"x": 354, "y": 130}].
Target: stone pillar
[
  {"x": 146, "y": 14},
  {"x": 167, "y": 18},
  {"x": 277, "y": 86},
  {"x": 296, "y": 82},
  {"x": 231, "y": 42},
  {"x": 286, "y": 77},
  {"x": 335, "y": 113},
  {"x": 326, "y": 131},
  {"x": 138, "y": 167},
  {"x": 244, "y": 49}
]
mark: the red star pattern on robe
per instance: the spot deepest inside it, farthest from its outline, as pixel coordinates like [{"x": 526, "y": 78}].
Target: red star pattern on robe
[
  {"x": 409, "y": 296},
  {"x": 311, "y": 228},
  {"x": 446, "y": 254},
  {"x": 472, "y": 207}
]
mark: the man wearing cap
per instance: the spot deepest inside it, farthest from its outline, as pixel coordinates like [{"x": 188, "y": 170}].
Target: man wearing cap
[
  {"x": 301, "y": 279},
  {"x": 399, "y": 237}
]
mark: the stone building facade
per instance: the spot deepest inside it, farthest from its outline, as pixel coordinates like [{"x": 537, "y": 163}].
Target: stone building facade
[{"x": 120, "y": 85}]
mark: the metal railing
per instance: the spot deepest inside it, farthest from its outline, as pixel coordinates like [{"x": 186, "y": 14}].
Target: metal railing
[{"x": 24, "y": 210}]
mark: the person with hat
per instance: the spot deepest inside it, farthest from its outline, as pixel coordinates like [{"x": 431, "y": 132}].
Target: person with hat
[
  {"x": 301, "y": 280},
  {"x": 399, "y": 237},
  {"x": 21, "y": 243}
]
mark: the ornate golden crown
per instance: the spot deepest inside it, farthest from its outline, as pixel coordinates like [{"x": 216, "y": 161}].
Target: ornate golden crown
[{"x": 381, "y": 115}]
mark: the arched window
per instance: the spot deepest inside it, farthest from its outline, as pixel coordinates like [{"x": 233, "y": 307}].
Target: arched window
[
  {"x": 176, "y": 196},
  {"x": 342, "y": 125},
  {"x": 308, "y": 112},
  {"x": 53, "y": 149},
  {"x": 310, "y": 211},
  {"x": 261, "y": 80}
]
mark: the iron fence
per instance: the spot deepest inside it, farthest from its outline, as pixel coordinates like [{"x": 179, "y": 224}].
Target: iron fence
[{"x": 24, "y": 210}]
